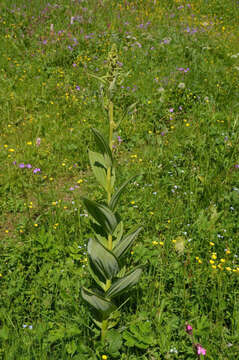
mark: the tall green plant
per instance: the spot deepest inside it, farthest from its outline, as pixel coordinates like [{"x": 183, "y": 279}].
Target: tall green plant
[{"x": 107, "y": 250}]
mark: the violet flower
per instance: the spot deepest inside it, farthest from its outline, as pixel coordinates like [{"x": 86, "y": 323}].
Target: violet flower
[{"x": 119, "y": 139}]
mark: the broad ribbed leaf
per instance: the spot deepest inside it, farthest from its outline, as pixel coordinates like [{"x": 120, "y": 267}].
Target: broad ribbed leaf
[
  {"x": 104, "y": 147},
  {"x": 99, "y": 168},
  {"x": 116, "y": 195},
  {"x": 105, "y": 307},
  {"x": 102, "y": 214},
  {"x": 121, "y": 248},
  {"x": 112, "y": 177},
  {"x": 124, "y": 284},
  {"x": 104, "y": 260},
  {"x": 99, "y": 279},
  {"x": 118, "y": 233}
]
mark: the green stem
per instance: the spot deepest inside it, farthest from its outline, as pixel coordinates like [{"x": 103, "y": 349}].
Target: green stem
[
  {"x": 111, "y": 129},
  {"x": 109, "y": 193},
  {"x": 111, "y": 121},
  {"x": 104, "y": 329}
]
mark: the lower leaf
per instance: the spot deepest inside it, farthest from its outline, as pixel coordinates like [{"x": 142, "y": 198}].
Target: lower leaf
[{"x": 105, "y": 307}]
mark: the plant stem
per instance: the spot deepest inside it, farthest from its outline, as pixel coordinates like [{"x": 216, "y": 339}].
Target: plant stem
[
  {"x": 104, "y": 329},
  {"x": 109, "y": 193},
  {"x": 111, "y": 128},
  {"x": 111, "y": 121}
]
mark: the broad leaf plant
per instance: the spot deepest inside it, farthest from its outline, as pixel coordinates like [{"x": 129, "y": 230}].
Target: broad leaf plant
[{"x": 107, "y": 249}]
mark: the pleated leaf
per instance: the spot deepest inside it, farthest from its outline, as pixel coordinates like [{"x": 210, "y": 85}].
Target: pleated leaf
[
  {"x": 117, "y": 194},
  {"x": 122, "y": 247},
  {"x": 118, "y": 233},
  {"x": 104, "y": 147},
  {"x": 124, "y": 284},
  {"x": 105, "y": 307},
  {"x": 104, "y": 260},
  {"x": 99, "y": 279},
  {"x": 99, "y": 168},
  {"x": 102, "y": 215}
]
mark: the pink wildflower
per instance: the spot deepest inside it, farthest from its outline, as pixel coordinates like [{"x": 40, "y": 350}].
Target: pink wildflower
[
  {"x": 189, "y": 329},
  {"x": 200, "y": 350}
]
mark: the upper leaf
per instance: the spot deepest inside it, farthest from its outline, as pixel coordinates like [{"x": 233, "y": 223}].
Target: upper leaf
[
  {"x": 104, "y": 260},
  {"x": 104, "y": 147},
  {"x": 118, "y": 233},
  {"x": 121, "y": 248},
  {"x": 102, "y": 214},
  {"x": 124, "y": 284},
  {"x": 99, "y": 167},
  {"x": 116, "y": 195}
]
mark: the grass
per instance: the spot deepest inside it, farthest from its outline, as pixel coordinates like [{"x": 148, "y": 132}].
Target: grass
[{"x": 182, "y": 138}]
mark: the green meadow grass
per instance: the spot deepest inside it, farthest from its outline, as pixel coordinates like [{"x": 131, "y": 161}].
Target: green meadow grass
[{"x": 182, "y": 139}]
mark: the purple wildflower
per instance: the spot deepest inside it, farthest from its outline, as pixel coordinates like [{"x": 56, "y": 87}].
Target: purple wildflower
[
  {"x": 119, "y": 139},
  {"x": 36, "y": 170},
  {"x": 166, "y": 41},
  {"x": 38, "y": 141},
  {"x": 28, "y": 166},
  {"x": 14, "y": 162},
  {"x": 237, "y": 166},
  {"x": 183, "y": 70},
  {"x": 21, "y": 166},
  {"x": 171, "y": 110},
  {"x": 72, "y": 188},
  {"x": 74, "y": 65},
  {"x": 78, "y": 87}
]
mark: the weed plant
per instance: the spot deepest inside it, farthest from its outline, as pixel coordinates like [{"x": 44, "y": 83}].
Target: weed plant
[{"x": 182, "y": 60}]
